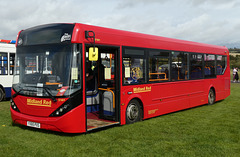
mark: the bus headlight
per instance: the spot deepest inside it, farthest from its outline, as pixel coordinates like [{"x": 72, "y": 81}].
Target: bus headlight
[
  {"x": 14, "y": 106},
  {"x": 67, "y": 106},
  {"x": 61, "y": 110}
]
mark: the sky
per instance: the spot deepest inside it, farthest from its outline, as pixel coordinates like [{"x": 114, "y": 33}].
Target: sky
[{"x": 207, "y": 21}]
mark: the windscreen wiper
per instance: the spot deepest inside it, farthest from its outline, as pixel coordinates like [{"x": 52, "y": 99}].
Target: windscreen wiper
[
  {"x": 14, "y": 95},
  {"x": 49, "y": 93},
  {"x": 45, "y": 88},
  {"x": 17, "y": 93}
]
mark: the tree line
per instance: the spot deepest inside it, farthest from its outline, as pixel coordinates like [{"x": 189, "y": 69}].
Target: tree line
[
  {"x": 234, "y": 50},
  {"x": 234, "y": 59}
]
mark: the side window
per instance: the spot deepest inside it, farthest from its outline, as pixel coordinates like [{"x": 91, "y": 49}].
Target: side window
[
  {"x": 12, "y": 63},
  {"x": 209, "y": 69},
  {"x": 196, "y": 66},
  {"x": 221, "y": 64},
  {"x": 179, "y": 66},
  {"x": 158, "y": 66},
  {"x": 3, "y": 63},
  {"x": 134, "y": 66}
]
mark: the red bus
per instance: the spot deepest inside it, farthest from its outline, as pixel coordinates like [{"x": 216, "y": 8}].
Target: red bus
[{"x": 74, "y": 78}]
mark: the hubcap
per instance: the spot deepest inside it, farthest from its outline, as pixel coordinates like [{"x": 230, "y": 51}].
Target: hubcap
[{"x": 132, "y": 112}]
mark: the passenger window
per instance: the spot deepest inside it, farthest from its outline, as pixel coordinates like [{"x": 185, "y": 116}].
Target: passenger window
[
  {"x": 3, "y": 63},
  {"x": 11, "y": 64},
  {"x": 221, "y": 64},
  {"x": 158, "y": 66},
  {"x": 134, "y": 66},
  {"x": 209, "y": 69},
  {"x": 196, "y": 66},
  {"x": 179, "y": 66}
]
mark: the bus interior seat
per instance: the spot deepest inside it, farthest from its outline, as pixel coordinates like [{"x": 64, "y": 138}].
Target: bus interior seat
[{"x": 93, "y": 95}]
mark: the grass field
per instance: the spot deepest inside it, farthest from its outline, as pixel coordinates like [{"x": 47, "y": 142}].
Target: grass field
[{"x": 203, "y": 131}]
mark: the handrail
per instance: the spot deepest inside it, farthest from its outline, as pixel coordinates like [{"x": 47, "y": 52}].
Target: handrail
[
  {"x": 108, "y": 89},
  {"x": 50, "y": 83},
  {"x": 158, "y": 79},
  {"x": 151, "y": 80}
]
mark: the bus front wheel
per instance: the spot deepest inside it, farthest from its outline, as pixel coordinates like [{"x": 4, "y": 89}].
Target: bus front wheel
[
  {"x": 211, "y": 97},
  {"x": 133, "y": 112}
]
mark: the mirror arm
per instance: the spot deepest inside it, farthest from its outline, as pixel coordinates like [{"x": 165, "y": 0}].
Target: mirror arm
[{"x": 91, "y": 36}]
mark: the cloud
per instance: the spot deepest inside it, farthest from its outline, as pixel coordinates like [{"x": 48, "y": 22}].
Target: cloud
[
  {"x": 211, "y": 2},
  {"x": 21, "y": 15},
  {"x": 126, "y": 4},
  {"x": 207, "y": 21}
]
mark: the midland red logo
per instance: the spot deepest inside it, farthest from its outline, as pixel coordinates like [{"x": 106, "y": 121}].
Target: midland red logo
[
  {"x": 142, "y": 89},
  {"x": 35, "y": 102}
]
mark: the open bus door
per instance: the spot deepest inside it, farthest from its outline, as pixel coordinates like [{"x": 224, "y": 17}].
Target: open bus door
[{"x": 102, "y": 88}]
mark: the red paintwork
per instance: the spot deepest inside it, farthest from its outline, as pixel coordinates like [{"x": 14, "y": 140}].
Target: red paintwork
[
  {"x": 17, "y": 37},
  {"x": 35, "y": 110},
  {"x": 41, "y": 114},
  {"x": 5, "y": 41},
  {"x": 163, "y": 97},
  {"x": 114, "y": 37},
  {"x": 71, "y": 122},
  {"x": 174, "y": 96}
]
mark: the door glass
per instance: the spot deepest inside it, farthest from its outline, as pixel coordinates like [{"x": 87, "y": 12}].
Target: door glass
[{"x": 107, "y": 61}]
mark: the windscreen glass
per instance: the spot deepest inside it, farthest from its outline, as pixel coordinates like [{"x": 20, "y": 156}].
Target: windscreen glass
[{"x": 47, "y": 70}]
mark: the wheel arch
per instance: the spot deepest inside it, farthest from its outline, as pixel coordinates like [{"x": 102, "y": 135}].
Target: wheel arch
[
  {"x": 214, "y": 92},
  {"x": 140, "y": 103},
  {"x": 125, "y": 104},
  {"x": 213, "y": 88},
  {"x": 134, "y": 111},
  {"x": 2, "y": 88},
  {"x": 139, "y": 99}
]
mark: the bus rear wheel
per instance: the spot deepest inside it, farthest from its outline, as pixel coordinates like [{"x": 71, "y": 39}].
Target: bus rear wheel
[
  {"x": 133, "y": 112},
  {"x": 211, "y": 97},
  {"x": 2, "y": 95}
]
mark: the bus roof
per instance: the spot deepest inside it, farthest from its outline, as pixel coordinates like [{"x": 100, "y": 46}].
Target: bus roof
[
  {"x": 125, "y": 38},
  {"x": 7, "y": 41},
  {"x": 7, "y": 46}
]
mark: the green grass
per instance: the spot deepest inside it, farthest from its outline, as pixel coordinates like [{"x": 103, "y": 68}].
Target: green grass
[{"x": 209, "y": 130}]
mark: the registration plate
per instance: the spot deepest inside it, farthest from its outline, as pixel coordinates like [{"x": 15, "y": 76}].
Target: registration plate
[{"x": 33, "y": 124}]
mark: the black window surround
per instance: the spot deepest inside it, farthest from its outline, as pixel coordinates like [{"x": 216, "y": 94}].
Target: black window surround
[{"x": 146, "y": 54}]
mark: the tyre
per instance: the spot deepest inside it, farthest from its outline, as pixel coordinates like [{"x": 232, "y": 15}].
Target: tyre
[
  {"x": 2, "y": 94},
  {"x": 133, "y": 112},
  {"x": 211, "y": 97}
]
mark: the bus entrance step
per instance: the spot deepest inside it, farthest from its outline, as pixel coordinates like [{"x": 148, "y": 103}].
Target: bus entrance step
[{"x": 95, "y": 124}]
